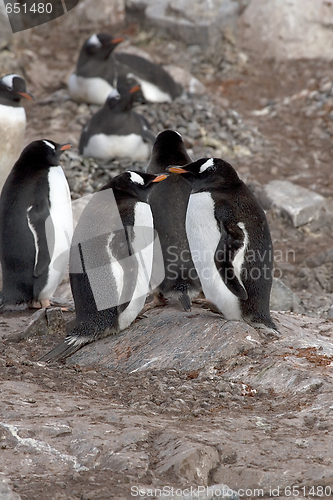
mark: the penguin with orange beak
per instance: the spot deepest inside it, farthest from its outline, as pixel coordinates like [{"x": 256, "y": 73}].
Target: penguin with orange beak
[
  {"x": 36, "y": 227},
  {"x": 12, "y": 122}
]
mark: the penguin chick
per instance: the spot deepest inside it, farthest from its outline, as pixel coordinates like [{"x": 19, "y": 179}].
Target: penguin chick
[
  {"x": 36, "y": 226},
  {"x": 169, "y": 203},
  {"x": 110, "y": 261},
  {"x": 12, "y": 122},
  {"x": 94, "y": 78},
  {"x": 230, "y": 242},
  {"x": 117, "y": 131}
]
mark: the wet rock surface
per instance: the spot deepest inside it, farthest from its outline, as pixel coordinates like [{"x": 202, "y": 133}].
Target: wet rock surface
[{"x": 181, "y": 400}]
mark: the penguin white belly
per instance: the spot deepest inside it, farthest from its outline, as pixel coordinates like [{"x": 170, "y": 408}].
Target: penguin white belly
[
  {"x": 110, "y": 146},
  {"x": 143, "y": 252},
  {"x": 203, "y": 237},
  {"x": 151, "y": 92},
  {"x": 61, "y": 222},
  {"x": 12, "y": 130},
  {"x": 91, "y": 90}
]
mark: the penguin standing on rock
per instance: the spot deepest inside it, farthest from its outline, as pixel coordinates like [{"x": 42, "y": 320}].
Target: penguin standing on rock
[
  {"x": 169, "y": 203},
  {"x": 95, "y": 76},
  {"x": 230, "y": 243},
  {"x": 12, "y": 122},
  {"x": 116, "y": 130},
  {"x": 36, "y": 227},
  {"x": 110, "y": 261}
]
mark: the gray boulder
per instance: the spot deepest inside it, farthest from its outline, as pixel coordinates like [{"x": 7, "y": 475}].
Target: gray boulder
[{"x": 288, "y": 30}]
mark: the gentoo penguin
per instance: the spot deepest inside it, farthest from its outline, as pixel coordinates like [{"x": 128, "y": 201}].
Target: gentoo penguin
[
  {"x": 169, "y": 211},
  {"x": 99, "y": 70},
  {"x": 12, "y": 122},
  {"x": 230, "y": 242},
  {"x": 95, "y": 77},
  {"x": 36, "y": 226},
  {"x": 156, "y": 83},
  {"x": 116, "y": 130},
  {"x": 110, "y": 261}
]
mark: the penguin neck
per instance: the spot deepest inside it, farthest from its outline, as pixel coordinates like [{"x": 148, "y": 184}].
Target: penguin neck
[{"x": 14, "y": 102}]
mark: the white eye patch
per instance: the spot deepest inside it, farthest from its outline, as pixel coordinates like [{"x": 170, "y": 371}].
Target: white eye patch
[
  {"x": 49, "y": 144},
  {"x": 136, "y": 178},
  {"x": 94, "y": 40},
  {"x": 8, "y": 80},
  {"x": 207, "y": 164}
]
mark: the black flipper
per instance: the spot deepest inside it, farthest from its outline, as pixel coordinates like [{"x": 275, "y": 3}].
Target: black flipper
[
  {"x": 42, "y": 226},
  {"x": 232, "y": 239}
]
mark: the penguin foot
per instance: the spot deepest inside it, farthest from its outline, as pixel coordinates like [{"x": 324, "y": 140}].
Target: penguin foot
[
  {"x": 156, "y": 302},
  {"x": 207, "y": 304},
  {"x": 268, "y": 331}
]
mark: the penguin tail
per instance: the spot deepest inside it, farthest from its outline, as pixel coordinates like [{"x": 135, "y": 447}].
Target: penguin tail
[
  {"x": 185, "y": 301},
  {"x": 84, "y": 333},
  {"x": 69, "y": 346}
]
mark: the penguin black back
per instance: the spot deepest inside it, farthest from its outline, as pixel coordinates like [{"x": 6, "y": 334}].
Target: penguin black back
[
  {"x": 25, "y": 207},
  {"x": 169, "y": 203},
  {"x": 111, "y": 261}
]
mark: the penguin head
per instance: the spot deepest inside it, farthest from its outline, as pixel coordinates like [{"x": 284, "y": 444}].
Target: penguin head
[
  {"x": 42, "y": 154},
  {"x": 100, "y": 46},
  {"x": 122, "y": 101},
  {"x": 168, "y": 149},
  {"x": 13, "y": 88},
  {"x": 134, "y": 183},
  {"x": 208, "y": 173}
]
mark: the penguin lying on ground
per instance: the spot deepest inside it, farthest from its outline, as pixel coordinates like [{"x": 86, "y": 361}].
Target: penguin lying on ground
[
  {"x": 230, "y": 242},
  {"x": 36, "y": 227},
  {"x": 156, "y": 83},
  {"x": 99, "y": 70},
  {"x": 110, "y": 261},
  {"x": 117, "y": 131},
  {"x": 12, "y": 122},
  {"x": 169, "y": 206},
  {"x": 94, "y": 78}
]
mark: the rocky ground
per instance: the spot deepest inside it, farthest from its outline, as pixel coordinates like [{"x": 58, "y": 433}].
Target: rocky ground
[{"x": 254, "y": 414}]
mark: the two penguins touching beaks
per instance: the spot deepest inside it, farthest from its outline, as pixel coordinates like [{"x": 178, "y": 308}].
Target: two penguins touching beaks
[{"x": 121, "y": 245}]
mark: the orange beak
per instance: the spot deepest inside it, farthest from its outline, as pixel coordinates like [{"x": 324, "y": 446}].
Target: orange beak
[
  {"x": 178, "y": 170},
  {"x": 117, "y": 40},
  {"x": 160, "y": 178},
  {"x": 26, "y": 95},
  {"x": 136, "y": 88},
  {"x": 65, "y": 146}
]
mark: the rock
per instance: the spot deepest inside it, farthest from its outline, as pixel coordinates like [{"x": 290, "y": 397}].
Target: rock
[
  {"x": 6, "y": 492},
  {"x": 45, "y": 321},
  {"x": 187, "y": 460},
  {"x": 282, "y": 298},
  {"x": 285, "y": 29},
  {"x": 78, "y": 206},
  {"x": 5, "y": 29},
  {"x": 189, "y": 82},
  {"x": 111, "y": 12},
  {"x": 203, "y": 24},
  {"x": 299, "y": 204}
]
